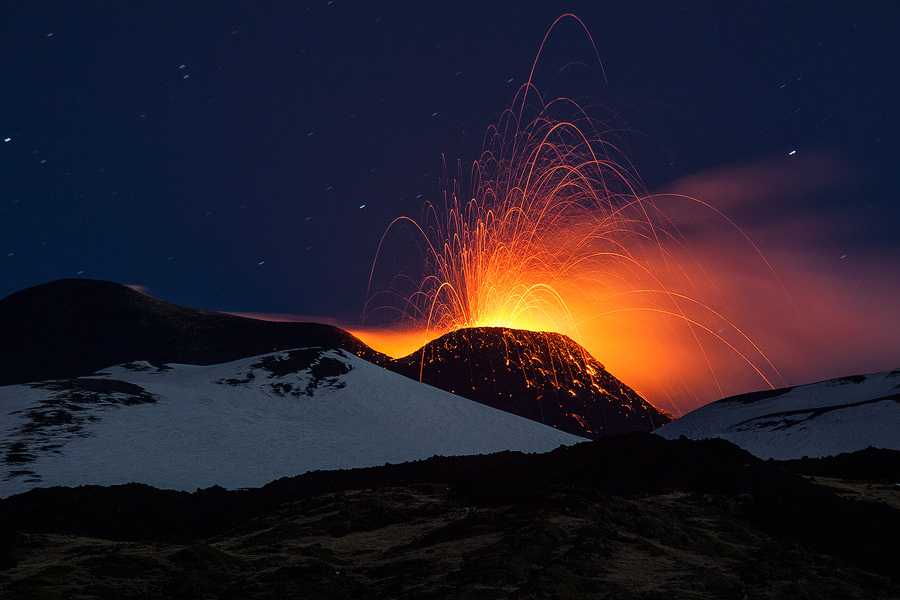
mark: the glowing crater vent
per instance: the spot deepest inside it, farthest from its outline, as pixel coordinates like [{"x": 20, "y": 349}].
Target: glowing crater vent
[
  {"x": 554, "y": 230},
  {"x": 542, "y": 376}
]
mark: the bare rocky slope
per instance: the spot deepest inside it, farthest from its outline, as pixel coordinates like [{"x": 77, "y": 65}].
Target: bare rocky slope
[
  {"x": 546, "y": 377},
  {"x": 633, "y": 516}
]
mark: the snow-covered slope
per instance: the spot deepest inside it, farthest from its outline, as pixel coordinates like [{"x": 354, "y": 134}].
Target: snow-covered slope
[
  {"x": 820, "y": 419},
  {"x": 240, "y": 424}
]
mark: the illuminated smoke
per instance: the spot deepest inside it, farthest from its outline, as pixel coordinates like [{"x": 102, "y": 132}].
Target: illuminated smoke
[{"x": 556, "y": 232}]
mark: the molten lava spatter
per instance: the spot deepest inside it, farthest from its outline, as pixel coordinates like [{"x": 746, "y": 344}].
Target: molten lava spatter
[
  {"x": 558, "y": 233},
  {"x": 542, "y": 376}
]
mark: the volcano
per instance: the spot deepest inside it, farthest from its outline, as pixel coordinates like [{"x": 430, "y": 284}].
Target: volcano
[
  {"x": 546, "y": 377},
  {"x": 75, "y": 327}
]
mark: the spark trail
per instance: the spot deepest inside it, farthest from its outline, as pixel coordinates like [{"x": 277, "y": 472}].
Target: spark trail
[{"x": 558, "y": 233}]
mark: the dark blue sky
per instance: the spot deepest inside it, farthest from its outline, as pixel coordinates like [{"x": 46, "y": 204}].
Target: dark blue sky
[{"x": 219, "y": 153}]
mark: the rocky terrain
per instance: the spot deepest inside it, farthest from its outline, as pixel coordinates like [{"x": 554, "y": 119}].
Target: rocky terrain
[
  {"x": 545, "y": 377},
  {"x": 633, "y": 516}
]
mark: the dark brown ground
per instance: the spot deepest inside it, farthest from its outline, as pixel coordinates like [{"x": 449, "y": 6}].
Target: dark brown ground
[{"x": 625, "y": 517}]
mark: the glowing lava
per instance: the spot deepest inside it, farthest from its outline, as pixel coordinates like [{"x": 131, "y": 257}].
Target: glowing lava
[{"x": 559, "y": 234}]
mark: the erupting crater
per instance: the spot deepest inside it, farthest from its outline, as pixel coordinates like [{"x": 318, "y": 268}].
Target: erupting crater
[
  {"x": 542, "y": 376},
  {"x": 557, "y": 232}
]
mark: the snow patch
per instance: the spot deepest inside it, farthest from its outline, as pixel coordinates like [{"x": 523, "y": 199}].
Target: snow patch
[
  {"x": 241, "y": 424},
  {"x": 820, "y": 419}
]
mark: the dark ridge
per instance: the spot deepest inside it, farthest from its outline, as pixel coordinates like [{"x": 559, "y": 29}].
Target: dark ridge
[
  {"x": 87, "y": 386},
  {"x": 849, "y": 379},
  {"x": 872, "y": 464},
  {"x": 751, "y": 397},
  {"x": 542, "y": 376},
  {"x": 74, "y": 327},
  {"x": 783, "y": 419},
  {"x": 769, "y": 496}
]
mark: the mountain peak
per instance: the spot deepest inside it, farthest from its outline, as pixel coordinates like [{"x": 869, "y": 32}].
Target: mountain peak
[{"x": 73, "y": 327}]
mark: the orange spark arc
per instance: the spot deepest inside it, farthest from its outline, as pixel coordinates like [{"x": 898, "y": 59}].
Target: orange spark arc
[{"x": 559, "y": 234}]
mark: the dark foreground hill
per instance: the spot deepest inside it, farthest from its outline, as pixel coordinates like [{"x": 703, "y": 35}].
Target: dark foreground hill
[
  {"x": 74, "y": 327},
  {"x": 546, "y": 377},
  {"x": 633, "y": 516}
]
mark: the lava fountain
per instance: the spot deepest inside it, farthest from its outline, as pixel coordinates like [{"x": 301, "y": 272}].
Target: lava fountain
[{"x": 558, "y": 233}]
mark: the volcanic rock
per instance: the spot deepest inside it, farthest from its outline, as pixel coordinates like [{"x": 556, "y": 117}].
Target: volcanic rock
[
  {"x": 633, "y": 516},
  {"x": 542, "y": 376}
]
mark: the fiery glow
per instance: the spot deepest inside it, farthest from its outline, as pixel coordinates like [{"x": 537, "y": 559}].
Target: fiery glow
[
  {"x": 558, "y": 233},
  {"x": 396, "y": 342}
]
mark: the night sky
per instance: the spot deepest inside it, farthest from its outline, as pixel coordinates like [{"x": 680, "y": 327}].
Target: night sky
[{"x": 248, "y": 157}]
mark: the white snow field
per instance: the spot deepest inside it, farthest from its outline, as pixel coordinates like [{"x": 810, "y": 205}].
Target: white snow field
[
  {"x": 820, "y": 419},
  {"x": 240, "y": 424}
]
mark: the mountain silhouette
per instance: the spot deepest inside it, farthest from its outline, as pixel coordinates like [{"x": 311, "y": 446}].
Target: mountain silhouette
[{"x": 74, "y": 327}]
